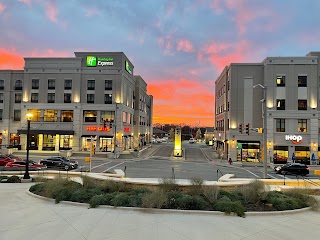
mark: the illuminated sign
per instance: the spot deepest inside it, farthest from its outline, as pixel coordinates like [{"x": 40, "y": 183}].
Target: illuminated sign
[
  {"x": 296, "y": 139},
  {"x": 126, "y": 129},
  {"x": 100, "y": 129},
  {"x": 93, "y": 61},
  {"x": 129, "y": 68}
]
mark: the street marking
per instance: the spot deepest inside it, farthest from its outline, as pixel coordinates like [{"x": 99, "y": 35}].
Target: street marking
[
  {"x": 113, "y": 167},
  {"x": 100, "y": 165}
]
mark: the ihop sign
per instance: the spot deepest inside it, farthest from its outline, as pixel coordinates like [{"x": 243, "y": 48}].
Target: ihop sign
[{"x": 296, "y": 139}]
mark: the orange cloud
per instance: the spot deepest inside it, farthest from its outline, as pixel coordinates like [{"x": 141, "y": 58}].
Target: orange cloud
[
  {"x": 182, "y": 101},
  {"x": 184, "y": 45},
  {"x": 51, "y": 11},
  {"x": 10, "y": 60}
]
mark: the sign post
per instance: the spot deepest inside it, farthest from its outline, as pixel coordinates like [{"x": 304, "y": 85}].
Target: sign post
[{"x": 177, "y": 143}]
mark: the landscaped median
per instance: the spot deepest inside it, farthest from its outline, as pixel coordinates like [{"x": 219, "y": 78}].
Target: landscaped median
[{"x": 167, "y": 194}]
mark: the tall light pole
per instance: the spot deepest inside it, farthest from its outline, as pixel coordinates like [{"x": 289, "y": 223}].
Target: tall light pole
[
  {"x": 115, "y": 130},
  {"x": 26, "y": 173},
  {"x": 264, "y": 130}
]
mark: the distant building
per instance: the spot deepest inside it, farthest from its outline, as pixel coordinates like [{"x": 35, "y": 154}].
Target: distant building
[
  {"x": 93, "y": 95},
  {"x": 288, "y": 88},
  {"x": 209, "y": 136}
]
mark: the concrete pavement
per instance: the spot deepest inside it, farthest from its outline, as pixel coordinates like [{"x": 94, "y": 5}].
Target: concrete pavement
[{"x": 26, "y": 217}]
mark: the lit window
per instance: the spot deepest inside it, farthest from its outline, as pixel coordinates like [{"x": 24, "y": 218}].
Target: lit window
[
  {"x": 302, "y": 125},
  {"x": 281, "y": 81}
]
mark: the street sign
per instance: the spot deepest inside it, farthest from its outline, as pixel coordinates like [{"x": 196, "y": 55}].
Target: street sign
[{"x": 87, "y": 159}]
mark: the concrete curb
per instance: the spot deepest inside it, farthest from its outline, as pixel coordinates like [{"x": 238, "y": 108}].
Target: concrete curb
[{"x": 174, "y": 211}]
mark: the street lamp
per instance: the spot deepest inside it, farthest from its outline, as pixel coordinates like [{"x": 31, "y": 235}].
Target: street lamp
[
  {"x": 264, "y": 130},
  {"x": 115, "y": 130},
  {"x": 26, "y": 173}
]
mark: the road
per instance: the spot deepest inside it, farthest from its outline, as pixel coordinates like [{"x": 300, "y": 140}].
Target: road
[{"x": 157, "y": 162}]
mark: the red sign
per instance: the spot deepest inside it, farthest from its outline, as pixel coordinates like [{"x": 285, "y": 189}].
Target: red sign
[
  {"x": 126, "y": 129},
  {"x": 100, "y": 129}
]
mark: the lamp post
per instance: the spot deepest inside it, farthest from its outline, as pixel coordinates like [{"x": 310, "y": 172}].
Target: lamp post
[
  {"x": 26, "y": 173},
  {"x": 264, "y": 130},
  {"x": 115, "y": 130}
]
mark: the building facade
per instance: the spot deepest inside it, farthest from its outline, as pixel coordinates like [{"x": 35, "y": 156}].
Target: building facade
[
  {"x": 91, "y": 97},
  {"x": 269, "y": 108}
]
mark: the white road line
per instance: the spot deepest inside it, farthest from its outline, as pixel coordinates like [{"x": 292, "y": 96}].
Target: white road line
[
  {"x": 113, "y": 166},
  {"x": 100, "y": 165},
  {"x": 252, "y": 173}
]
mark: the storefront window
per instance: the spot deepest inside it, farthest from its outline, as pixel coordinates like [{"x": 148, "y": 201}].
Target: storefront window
[
  {"x": 36, "y": 113},
  {"x": 86, "y": 143},
  {"x": 14, "y": 139},
  {"x": 248, "y": 152},
  {"x": 66, "y": 142},
  {"x": 106, "y": 144},
  {"x": 49, "y": 142},
  {"x": 107, "y": 115},
  {"x": 67, "y": 116},
  {"x": 280, "y": 154},
  {"x": 302, "y": 154},
  {"x": 50, "y": 115},
  {"x": 90, "y": 116}
]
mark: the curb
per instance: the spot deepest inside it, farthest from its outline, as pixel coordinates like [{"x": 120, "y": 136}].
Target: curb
[{"x": 174, "y": 211}]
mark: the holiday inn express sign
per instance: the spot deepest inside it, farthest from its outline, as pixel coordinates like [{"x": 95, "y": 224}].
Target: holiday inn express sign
[{"x": 93, "y": 61}]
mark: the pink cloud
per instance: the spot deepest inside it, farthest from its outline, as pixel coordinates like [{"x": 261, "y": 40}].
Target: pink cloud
[
  {"x": 89, "y": 12},
  {"x": 51, "y": 10},
  {"x": 184, "y": 45},
  {"x": 2, "y": 7}
]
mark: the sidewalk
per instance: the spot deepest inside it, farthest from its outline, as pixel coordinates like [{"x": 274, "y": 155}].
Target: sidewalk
[{"x": 26, "y": 217}]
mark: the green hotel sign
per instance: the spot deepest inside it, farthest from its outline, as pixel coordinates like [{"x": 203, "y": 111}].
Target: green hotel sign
[
  {"x": 129, "y": 68},
  {"x": 93, "y": 61}
]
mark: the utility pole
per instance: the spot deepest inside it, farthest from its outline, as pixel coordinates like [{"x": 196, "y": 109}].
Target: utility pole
[{"x": 115, "y": 131}]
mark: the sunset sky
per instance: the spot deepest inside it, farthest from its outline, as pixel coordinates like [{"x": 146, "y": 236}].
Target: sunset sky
[{"x": 179, "y": 47}]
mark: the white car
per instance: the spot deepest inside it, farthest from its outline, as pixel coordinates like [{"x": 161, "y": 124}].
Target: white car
[{"x": 192, "y": 140}]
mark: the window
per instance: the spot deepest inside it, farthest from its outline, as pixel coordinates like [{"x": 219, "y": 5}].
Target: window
[
  {"x": 302, "y": 81},
  {"x": 91, "y": 84},
  {"x": 90, "y": 116},
  {"x": 34, "y": 97},
  {"x": 17, "y": 98},
  {"x": 280, "y": 125},
  {"x": 35, "y": 114},
  {"x": 51, "y": 83},
  {"x": 16, "y": 115},
  {"x": 1, "y": 84},
  {"x": 124, "y": 117},
  {"x": 67, "y": 84},
  {"x": 281, "y": 104},
  {"x": 50, "y": 115},
  {"x": 302, "y": 105},
  {"x": 35, "y": 83},
  {"x": 107, "y": 116},
  {"x": 67, "y": 98},
  {"x": 18, "y": 85},
  {"x": 1, "y": 97},
  {"x": 51, "y": 97},
  {"x": 1, "y": 114},
  {"x": 67, "y": 116},
  {"x": 302, "y": 125},
  {"x": 107, "y": 84},
  {"x": 90, "y": 98},
  {"x": 281, "y": 81},
  {"x": 108, "y": 99}
]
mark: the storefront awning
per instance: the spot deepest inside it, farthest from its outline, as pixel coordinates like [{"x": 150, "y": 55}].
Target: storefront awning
[{"x": 39, "y": 131}]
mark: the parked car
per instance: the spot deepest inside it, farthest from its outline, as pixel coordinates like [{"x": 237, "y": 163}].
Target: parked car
[
  {"x": 60, "y": 163},
  {"x": 153, "y": 140},
  {"x": 192, "y": 140},
  {"x": 21, "y": 165},
  {"x": 158, "y": 140},
  {"x": 4, "y": 160},
  {"x": 293, "y": 168}
]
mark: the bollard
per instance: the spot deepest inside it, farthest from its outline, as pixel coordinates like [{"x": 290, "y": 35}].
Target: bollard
[
  {"x": 125, "y": 171},
  {"x": 173, "y": 176}
]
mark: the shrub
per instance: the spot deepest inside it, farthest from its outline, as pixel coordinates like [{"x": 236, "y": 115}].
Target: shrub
[
  {"x": 156, "y": 199},
  {"x": 84, "y": 195},
  {"x": 89, "y": 182},
  {"x": 233, "y": 196},
  {"x": 13, "y": 179},
  {"x": 168, "y": 185},
  {"x": 173, "y": 200},
  {"x": 280, "y": 201},
  {"x": 53, "y": 187},
  {"x": 211, "y": 194},
  {"x": 40, "y": 179},
  {"x": 111, "y": 186},
  {"x": 121, "y": 199},
  {"x": 188, "y": 202},
  {"x": 37, "y": 188},
  {"x": 102, "y": 199},
  {"x": 3, "y": 177},
  {"x": 95, "y": 201},
  {"x": 229, "y": 207},
  {"x": 253, "y": 193},
  {"x": 196, "y": 187}
]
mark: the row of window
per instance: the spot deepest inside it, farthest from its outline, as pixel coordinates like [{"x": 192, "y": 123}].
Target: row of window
[
  {"x": 281, "y": 125},
  {"x": 302, "y": 104},
  {"x": 52, "y": 84},
  {"x": 302, "y": 81}
]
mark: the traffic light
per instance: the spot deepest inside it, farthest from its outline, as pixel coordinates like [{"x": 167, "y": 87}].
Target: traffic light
[
  {"x": 110, "y": 125},
  {"x": 247, "y": 128},
  {"x": 240, "y": 128},
  {"x": 104, "y": 123}
]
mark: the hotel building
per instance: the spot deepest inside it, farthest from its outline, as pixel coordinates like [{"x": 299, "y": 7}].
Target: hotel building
[
  {"x": 93, "y": 96},
  {"x": 269, "y": 108}
]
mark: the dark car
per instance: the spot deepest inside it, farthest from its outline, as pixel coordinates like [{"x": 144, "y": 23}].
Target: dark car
[
  {"x": 293, "y": 168},
  {"x": 59, "y": 163}
]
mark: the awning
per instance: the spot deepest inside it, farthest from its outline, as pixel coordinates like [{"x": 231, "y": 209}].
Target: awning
[
  {"x": 53, "y": 132},
  {"x": 105, "y": 136}
]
